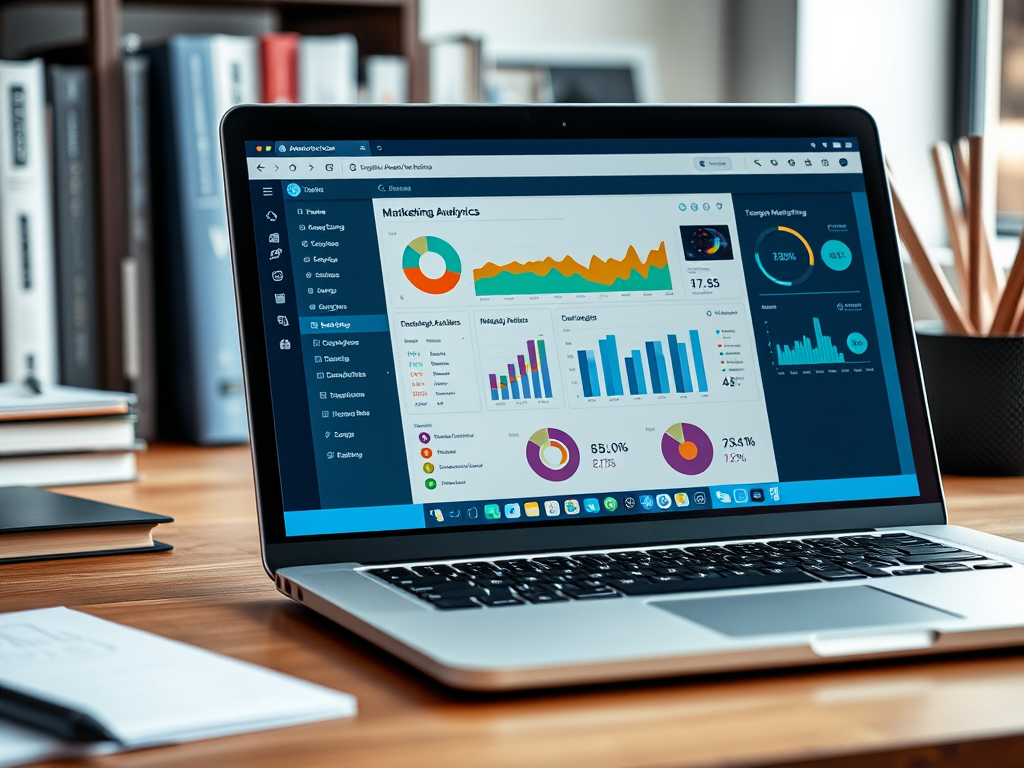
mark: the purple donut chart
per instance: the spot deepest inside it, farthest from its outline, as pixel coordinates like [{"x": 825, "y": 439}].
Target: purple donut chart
[{"x": 552, "y": 454}]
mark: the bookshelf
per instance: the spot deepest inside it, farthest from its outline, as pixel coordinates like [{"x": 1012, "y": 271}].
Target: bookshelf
[{"x": 380, "y": 26}]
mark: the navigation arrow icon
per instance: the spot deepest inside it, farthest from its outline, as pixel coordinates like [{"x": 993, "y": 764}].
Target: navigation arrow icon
[
  {"x": 311, "y": 166},
  {"x": 259, "y": 167},
  {"x": 277, "y": 167}
]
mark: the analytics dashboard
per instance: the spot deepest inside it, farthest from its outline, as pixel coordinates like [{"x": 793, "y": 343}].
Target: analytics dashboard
[{"x": 545, "y": 332}]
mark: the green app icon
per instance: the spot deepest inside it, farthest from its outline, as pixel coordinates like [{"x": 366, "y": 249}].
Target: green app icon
[
  {"x": 431, "y": 483},
  {"x": 491, "y": 512},
  {"x": 610, "y": 504}
]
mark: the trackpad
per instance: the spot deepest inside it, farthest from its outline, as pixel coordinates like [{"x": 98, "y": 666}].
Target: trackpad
[{"x": 805, "y": 610}]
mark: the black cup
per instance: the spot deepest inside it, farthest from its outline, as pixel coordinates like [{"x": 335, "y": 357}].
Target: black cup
[{"x": 975, "y": 388}]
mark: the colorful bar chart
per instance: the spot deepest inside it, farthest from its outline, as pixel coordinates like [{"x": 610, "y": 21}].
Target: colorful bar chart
[
  {"x": 806, "y": 352},
  {"x": 656, "y": 368},
  {"x": 528, "y": 378}
]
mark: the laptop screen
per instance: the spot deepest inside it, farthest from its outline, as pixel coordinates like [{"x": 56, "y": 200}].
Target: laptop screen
[{"x": 555, "y": 332}]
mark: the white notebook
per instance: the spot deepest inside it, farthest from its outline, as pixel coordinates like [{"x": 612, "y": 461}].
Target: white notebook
[{"x": 145, "y": 689}]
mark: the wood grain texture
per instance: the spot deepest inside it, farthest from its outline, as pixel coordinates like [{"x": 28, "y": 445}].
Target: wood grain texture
[{"x": 211, "y": 591}]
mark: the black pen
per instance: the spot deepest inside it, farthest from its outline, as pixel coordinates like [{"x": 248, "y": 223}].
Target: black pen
[{"x": 54, "y": 719}]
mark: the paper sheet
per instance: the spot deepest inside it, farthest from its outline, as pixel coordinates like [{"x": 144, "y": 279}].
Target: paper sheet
[{"x": 148, "y": 690}]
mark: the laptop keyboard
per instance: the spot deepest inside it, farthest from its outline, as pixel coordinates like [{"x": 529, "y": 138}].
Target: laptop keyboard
[{"x": 671, "y": 570}]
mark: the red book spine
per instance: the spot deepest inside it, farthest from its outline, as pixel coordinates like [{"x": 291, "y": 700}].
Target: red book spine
[{"x": 280, "y": 67}]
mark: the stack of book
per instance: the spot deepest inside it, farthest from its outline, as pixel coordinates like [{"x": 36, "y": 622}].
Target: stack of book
[
  {"x": 177, "y": 290},
  {"x": 66, "y": 436}
]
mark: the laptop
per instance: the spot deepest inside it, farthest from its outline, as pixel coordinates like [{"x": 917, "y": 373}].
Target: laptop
[{"x": 549, "y": 395}]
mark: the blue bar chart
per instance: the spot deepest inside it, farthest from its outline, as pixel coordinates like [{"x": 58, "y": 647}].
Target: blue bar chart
[
  {"x": 657, "y": 367},
  {"x": 807, "y": 352}
]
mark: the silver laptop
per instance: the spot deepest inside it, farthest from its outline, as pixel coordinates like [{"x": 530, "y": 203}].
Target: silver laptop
[{"x": 555, "y": 395}]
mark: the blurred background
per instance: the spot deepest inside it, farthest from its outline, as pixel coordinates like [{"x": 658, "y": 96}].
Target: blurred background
[{"x": 927, "y": 70}]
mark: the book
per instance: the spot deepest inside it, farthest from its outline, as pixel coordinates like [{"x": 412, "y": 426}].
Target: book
[
  {"x": 70, "y": 96},
  {"x": 328, "y": 69},
  {"x": 146, "y": 690},
  {"x": 36, "y": 525},
  {"x": 69, "y": 468},
  {"x": 28, "y": 307},
  {"x": 387, "y": 79},
  {"x": 137, "y": 273},
  {"x": 18, "y": 403},
  {"x": 280, "y": 79},
  {"x": 196, "y": 79},
  {"x": 455, "y": 76},
  {"x": 75, "y": 435}
]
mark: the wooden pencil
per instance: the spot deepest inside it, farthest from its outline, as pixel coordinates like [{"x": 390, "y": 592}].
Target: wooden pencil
[
  {"x": 1008, "y": 311},
  {"x": 953, "y": 316},
  {"x": 974, "y": 232},
  {"x": 952, "y": 207}
]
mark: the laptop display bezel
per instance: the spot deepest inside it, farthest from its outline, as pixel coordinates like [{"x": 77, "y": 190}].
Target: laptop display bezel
[{"x": 311, "y": 123}]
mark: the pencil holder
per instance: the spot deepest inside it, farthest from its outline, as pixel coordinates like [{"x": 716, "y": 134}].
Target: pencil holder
[{"x": 975, "y": 387}]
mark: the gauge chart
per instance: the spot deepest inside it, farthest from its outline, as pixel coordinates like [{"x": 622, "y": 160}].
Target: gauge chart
[{"x": 784, "y": 256}]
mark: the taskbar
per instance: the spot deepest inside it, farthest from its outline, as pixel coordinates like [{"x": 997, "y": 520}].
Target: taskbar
[
  {"x": 591, "y": 505},
  {"x": 697, "y": 501}
]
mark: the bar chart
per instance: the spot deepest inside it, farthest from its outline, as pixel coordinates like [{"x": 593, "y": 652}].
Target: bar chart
[
  {"x": 654, "y": 367},
  {"x": 807, "y": 352},
  {"x": 527, "y": 377}
]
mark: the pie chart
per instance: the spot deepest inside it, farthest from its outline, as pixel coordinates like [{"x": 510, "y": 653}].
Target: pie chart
[
  {"x": 553, "y": 455},
  {"x": 415, "y": 250},
  {"x": 687, "y": 448}
]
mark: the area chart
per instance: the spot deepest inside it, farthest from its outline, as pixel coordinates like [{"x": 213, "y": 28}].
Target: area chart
[{"x": 567, "y": 275}]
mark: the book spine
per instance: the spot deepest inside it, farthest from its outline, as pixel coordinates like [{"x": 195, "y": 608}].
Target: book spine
[
  {"x": 387, "y": 79},
  {"x": 209, "y": 74},
  {"x": 70, "y": 97},
  {"x": 280, "y": 82},
  {"x": 27, "y": 298},
  {"x": 140, "y": 342},
  {"x": 328, "y": 69}
]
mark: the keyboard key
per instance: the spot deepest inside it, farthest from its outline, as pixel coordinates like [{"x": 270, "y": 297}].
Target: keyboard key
[
  {"x": 910, "y": 572},
  {"x": 498, "y": 600},
  {"x": 838, "y": 575},
  {"x": 454, "y": 603},
  {"x": 990, "y": 566},
  {"x": 719, "y": 582},
  {"x": 947, "y": 567},
  {"x": 543, "y": 597},
  {"x": 588, "y": 593},
  {"x": 923, "y": 559}
]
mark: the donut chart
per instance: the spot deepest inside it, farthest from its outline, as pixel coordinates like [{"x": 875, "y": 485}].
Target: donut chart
[
  {"x": 687, "y": 448},
  {"x": 432, "y": 285},
  {"x": 784, "y": 256},
  {"x": 552, "y": 454}
]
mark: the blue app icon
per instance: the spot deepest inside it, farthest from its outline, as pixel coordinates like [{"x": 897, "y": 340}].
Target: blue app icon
[
  {"x": 740, "y": 496},
  {"x": 647, "y": 502},
  {"x": 293, "y": 189},
  {"x": 593, "y": 506}
]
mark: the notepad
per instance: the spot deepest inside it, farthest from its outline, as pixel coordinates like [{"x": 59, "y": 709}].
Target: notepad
[{"x": 148, "y": 690}]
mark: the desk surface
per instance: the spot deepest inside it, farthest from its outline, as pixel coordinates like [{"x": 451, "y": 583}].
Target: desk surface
[{"x": 212, "y": 592}]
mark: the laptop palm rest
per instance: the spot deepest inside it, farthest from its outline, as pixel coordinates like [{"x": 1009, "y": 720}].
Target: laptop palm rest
[{"x": 817, "y": 611}]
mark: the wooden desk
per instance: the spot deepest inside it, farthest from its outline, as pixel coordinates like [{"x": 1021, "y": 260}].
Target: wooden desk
[{"x": 212, "y": 592}]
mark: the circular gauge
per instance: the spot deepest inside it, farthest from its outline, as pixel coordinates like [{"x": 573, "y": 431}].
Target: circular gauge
[{"x": 784, "y": 256}]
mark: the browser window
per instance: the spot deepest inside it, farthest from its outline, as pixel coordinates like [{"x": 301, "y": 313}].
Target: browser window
[{"x": 511, "y": 333}]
